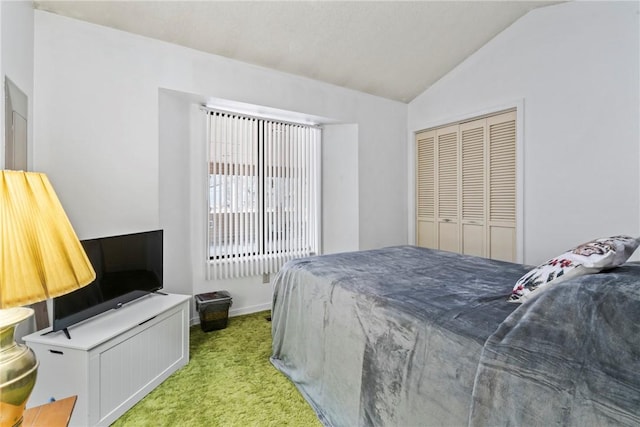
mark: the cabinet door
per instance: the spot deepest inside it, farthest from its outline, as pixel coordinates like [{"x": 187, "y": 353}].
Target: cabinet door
[
  {"x": 123, "y": 371},
  {"x": 472, "y": 214},
  {"x": 501, "y": 133},
  {"x": 447, "y": 174},
  {"x": 425, "y": 190}
]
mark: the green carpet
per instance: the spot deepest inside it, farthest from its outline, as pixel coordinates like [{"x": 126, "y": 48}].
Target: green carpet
[{"x": 229, "y": 381}]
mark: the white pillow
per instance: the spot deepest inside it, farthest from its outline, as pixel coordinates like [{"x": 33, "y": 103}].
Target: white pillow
[{"x": 588, "y": 258}]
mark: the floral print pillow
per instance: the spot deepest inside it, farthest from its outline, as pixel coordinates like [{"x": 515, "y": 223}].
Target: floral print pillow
[{"x": 588, "y": 258}]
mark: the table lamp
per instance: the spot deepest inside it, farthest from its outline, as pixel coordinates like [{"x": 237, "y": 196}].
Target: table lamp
[{"x": 40, "y": 257}]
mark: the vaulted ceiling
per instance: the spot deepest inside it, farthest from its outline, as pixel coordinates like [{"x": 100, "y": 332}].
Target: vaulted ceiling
[{"x": 392, "y": 49}]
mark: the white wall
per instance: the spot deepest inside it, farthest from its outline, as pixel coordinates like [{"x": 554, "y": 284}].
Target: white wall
[
  {"x": 116, "y": 135},
  {"x": 576, "y": 68},
  {"x": 16, "y": 59},
  {"x": 340, "y": 189},
  {"x": 174, "y": 179},
  {"x": 2, "y": 135}
]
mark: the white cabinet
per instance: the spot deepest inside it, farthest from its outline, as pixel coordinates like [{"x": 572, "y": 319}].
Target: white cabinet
[{"x": 112, "y": 360}]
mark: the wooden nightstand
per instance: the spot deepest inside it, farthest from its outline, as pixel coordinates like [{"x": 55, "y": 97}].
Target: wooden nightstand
[{"x": 54, "y": 414}]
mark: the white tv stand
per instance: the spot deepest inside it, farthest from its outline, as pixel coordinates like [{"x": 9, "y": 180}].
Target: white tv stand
[{"x": 112, "y": 360}]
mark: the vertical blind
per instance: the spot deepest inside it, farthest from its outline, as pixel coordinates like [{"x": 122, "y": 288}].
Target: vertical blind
[{"x": 264, "y": 194}]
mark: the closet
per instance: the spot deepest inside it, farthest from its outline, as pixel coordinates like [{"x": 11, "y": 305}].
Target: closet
[{"x": 466, "y": 187}]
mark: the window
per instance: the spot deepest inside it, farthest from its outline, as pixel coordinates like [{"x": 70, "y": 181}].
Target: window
[{"x": 263, "y": 194}]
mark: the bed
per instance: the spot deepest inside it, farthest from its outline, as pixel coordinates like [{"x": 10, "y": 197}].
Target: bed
[{"x": 408, "y": 336}]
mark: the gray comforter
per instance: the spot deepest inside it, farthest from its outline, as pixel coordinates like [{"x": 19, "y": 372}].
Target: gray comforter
[{"x": 407, "y": 336}]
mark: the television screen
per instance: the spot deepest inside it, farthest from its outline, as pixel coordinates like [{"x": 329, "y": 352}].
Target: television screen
[{"x": 127, "y": 267}]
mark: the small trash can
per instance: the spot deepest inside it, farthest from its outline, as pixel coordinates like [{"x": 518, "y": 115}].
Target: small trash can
[{"x": 213, "y": 308}]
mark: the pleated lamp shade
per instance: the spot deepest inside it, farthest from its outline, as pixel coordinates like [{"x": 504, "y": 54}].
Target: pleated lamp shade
[{"x": 40, "y": 254}]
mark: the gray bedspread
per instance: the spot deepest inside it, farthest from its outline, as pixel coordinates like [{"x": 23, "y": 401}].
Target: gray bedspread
[
  {"x": 388, "y": 337},
  {"x": 569, "y": 357},
  {"x": 408, "y": 336}
]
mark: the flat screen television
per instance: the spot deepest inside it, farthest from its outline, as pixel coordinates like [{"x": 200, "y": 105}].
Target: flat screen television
[{"x": 127, "y": 267}]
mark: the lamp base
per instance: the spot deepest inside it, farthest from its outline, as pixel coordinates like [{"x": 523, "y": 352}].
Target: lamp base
[{"x": 18, "y": 368}]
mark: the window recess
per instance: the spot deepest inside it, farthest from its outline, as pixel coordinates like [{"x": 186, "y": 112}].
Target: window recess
[{"x": 264, "y": 194}]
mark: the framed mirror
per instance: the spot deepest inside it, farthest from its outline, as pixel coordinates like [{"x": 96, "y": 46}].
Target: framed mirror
[{"x": 16, "y": 110}]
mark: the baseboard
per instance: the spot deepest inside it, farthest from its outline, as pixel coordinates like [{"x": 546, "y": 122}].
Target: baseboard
[
  {"x": 249, "y": 310},
  {"x": 238, "y": 312}
]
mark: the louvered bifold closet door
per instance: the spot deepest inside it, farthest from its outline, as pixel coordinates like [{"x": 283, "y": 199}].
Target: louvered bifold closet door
[
  {"x": 425, "y": 190},
  {"x": 473, "y": 216},
  {"x": 447, "y": 183},
  {"x": 501, "y": 132}
]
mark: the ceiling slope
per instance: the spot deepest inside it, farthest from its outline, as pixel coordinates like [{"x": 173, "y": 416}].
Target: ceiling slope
[{"x": 392, "y": 49}]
